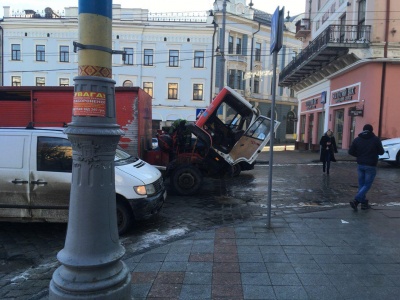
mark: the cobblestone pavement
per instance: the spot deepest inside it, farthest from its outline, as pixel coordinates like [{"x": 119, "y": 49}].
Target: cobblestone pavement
[{"x": 28, "y": 251}]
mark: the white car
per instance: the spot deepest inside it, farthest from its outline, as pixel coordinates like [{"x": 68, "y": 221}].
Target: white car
[{"x": 392, "y": 151}]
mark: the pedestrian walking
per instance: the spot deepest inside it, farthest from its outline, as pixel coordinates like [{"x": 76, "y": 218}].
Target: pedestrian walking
[
  {"x": 328, "y": 148},
  {"x": 366, "y": 147}
]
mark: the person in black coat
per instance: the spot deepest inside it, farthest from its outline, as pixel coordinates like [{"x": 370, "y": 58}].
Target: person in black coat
[
  {"x": 328, "y": 148},
  {"x": 366, "y": 147}
]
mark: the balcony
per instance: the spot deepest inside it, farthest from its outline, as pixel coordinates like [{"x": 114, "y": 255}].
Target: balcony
[
  {"x": 331, "y": 46},
  {"x": 303, "y": 28},
  {"x": 236, "y": 58}
]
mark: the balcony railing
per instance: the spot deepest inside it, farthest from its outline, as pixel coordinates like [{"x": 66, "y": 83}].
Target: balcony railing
[
  {"x": 236, "y": 58},
  {"x": 334, "y": 35}
]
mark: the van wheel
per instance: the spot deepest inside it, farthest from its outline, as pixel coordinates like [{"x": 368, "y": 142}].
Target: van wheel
[
  {"x": 186, "y": 180},
  {"x": 124, "y": 217}
]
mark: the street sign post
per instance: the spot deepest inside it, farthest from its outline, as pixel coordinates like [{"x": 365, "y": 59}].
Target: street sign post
[{"x": 276, "y": 45}]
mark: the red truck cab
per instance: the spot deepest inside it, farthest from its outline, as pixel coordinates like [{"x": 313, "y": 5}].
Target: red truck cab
[{"x": 225, "y": 139}]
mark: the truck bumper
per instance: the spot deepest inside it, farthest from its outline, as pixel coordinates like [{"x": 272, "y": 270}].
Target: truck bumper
[{"x": 147, "y": 207}]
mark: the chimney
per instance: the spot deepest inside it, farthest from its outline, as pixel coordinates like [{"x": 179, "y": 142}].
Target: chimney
[{"x": 6, "y": 11}]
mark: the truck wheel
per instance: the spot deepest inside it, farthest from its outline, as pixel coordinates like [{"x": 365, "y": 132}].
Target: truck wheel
[
  {"x": 186, "y": 180},
  {"x": 124, "y": 217},
  {"x": 236, "y": 170}
]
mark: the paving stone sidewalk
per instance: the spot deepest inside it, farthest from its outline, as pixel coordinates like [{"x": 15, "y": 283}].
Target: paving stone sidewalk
[{"x": 333, "y": 254}]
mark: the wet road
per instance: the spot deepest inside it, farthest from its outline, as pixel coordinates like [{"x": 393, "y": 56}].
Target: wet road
[{"x": 28, "y": 251}]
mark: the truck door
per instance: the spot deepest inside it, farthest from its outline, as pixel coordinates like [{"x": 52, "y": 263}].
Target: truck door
[
  {"x": 50, "y": 180},
  {"x": 14, "y": 173},
  {"x": 252, "y": 141}
]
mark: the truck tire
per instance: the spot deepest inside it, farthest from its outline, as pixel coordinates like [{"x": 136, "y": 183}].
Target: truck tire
[
  {"x": 186, "y": 180},
  {"x": 124, "y": 217},
  {"x": 236, "y": 170}
]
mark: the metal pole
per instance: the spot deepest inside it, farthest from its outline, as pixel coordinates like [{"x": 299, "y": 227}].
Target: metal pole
[
  {"x": 272, "y": 138},
  {"x": 91, "y": 266},
  {"x": 222, "y": 50}
]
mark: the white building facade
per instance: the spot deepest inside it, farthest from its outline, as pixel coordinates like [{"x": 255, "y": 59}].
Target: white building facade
[{"x": 174, "y": 58}]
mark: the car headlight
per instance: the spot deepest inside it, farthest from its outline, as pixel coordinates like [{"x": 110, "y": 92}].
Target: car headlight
[{"x": 147, "y": 189}]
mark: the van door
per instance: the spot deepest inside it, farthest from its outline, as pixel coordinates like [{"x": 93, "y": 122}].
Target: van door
[
  {"x": 14, "y": 170},
  {"x": 252, "y": 141},
  {"x": 50, "y": 179}
]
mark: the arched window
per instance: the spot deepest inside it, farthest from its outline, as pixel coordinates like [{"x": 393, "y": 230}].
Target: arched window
[
  {"x": 290, "y": 126},
  {"x": 127, "y": 83}
]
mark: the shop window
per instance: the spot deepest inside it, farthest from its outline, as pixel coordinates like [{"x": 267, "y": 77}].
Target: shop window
[{"x": 302, "y": 127}]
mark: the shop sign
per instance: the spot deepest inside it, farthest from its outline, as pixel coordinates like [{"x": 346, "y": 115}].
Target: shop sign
[
  {"x": 311, "y": 104},
  {"x": 356, "y": 112},
  {"x": 323, "y": 97},
  {"x": 344, "y": 95}
]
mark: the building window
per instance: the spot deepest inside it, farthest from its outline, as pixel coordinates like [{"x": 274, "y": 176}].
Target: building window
[
  {"x": 172, "y": 91},
  {"x": 197, "y": 91},
  {"x": 40, "y": 54},
  {"x": 16, "y": 80},
  {"x": 257, "y": 56},
  {"x": 292, "y": 93},
  {"x": 231, "y": 78},
  {"x": 16, "y": 52},
  {"x": 148, "y": 57},
  {"x": 342, "y": 20},
  {"x": 199, "y": 59},
  {"x": 361, "y": 19},
  {"x": 173, "y": 58},
  {"x": 127, "y": 83},
  {"x": 230, "y": 45},
  {"x": 40, "y": 81},
  {"x": 64, "y": 53},
  {"x": 128, "y": 56},
  {"x": 238, "y": 46},
  {"x": 148, "y": 88},
  {"x": 239, "y": 81},
  {"x": 256, "y": 87},
  {"x": 290, "y": 122},
  {"x": 64, "y": 81}
]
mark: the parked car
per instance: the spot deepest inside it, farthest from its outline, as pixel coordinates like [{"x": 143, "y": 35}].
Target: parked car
[
  {"x": 392, "y": 151},
  {"x": 35, "y": 179}
]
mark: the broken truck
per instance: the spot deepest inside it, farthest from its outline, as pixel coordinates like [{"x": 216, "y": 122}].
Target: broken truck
[{"x": 225, "y": 140}]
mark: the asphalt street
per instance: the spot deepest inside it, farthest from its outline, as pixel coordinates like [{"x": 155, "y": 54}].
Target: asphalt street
[{"x": 28, "y": 251}]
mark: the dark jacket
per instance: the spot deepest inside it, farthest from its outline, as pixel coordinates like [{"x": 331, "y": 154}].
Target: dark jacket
[
  {"x": 325, "y": 148},
  {"x": 366, "y": 147}
]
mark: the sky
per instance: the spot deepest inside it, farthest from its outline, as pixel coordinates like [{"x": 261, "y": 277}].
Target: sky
[{"x": 294, "y": 6}]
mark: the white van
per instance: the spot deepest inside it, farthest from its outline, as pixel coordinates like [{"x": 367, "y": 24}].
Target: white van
[{"x": 35, "y": 179}]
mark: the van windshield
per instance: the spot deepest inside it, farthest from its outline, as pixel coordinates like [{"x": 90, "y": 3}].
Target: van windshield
[{"x": 121, "y": 155}]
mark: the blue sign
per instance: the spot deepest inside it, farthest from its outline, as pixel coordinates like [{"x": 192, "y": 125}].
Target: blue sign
[
  {"x": 199, "y": 112},
  {"x": 277, "y": 30}
]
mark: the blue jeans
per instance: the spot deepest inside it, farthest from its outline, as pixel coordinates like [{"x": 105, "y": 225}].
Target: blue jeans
[{"x": 366, "y": 176}]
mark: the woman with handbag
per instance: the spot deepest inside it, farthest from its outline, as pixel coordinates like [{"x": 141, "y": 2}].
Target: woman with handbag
[{"x": 328, "y": 148}]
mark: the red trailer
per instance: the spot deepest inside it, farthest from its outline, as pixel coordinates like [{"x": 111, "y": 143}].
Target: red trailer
[{"x": 46, "y": 106}]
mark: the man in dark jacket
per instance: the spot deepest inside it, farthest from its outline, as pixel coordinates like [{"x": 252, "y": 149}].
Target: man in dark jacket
[{"x": 366, "y": 147}]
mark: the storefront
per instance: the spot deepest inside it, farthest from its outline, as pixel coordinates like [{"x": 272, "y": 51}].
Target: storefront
[
  {"x": 366, "y": 94},
  {"x": 312, "y": 118}
]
